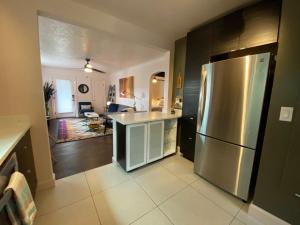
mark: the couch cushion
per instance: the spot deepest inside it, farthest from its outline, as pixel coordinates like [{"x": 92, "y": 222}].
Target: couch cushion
[{"x": 113, "y": 107}]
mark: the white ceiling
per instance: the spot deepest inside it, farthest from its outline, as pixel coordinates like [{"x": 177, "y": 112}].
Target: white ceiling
[
  {"x": 171, "y": 18},
  {"x": 66, "y": 45}
]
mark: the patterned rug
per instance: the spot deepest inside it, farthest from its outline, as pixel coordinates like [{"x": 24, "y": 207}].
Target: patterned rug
[{"x": 73, "y": 129}]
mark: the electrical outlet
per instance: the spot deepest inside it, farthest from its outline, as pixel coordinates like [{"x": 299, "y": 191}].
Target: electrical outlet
[{"x": 286, "y": 114}]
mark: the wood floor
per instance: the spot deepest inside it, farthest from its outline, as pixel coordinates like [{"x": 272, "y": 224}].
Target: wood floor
[{"x": 77, "y": 156}]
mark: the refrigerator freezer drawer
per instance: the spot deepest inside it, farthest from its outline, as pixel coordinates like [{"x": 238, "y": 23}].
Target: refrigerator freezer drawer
[{"x": 225, "y": 165}]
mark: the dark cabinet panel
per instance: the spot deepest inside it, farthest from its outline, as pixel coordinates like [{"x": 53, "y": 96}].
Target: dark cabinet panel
[
  {"x": 261, "y": 24},
  {"x": 187, "y": 138},
  {"x": 249, "y": 27},
  {"x": 26, "y": 162},
  {"x": 198, "y": 51},
  {"x": 24, "y": 154},
  {"x": 290, "y": 184},
  {"x": 226, "y": 33}
]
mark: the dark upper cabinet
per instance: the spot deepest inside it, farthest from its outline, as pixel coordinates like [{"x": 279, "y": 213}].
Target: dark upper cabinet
[
  {"x": 261, "y": 24},
  {"x": 226, "y": 33},
  {"x": 197, "y": 54}
]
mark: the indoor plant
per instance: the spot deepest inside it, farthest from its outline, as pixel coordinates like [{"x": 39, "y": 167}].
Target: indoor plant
[{"x": 48, "y": 93}]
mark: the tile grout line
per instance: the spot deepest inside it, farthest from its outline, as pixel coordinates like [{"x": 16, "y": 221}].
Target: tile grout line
[
  {"x": 143, "y": 215},
  {"x": 165, "y": 215},
  {"x": 62, "y": 207},
  {"x": 202, "y": 194},
  {"x": 113, "y": 186},
  {"x": 156, "y": 205},
  {"x": 98, "y": 216},
  {"x": 167, "y": 197}
]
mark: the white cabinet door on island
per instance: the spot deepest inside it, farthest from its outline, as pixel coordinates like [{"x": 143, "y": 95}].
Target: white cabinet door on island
[
  {"x": 144, "y": 137},
  {"x": 155, "y": 141},
  {"x": 136, "y": 145}
]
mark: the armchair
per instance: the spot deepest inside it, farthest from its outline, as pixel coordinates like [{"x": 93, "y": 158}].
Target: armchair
[{"x": 84, "y": 107}]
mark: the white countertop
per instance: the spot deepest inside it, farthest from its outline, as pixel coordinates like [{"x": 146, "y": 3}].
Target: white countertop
[
  {"x": 12, "y": 129},
  {"x": 132, "y": 118}
]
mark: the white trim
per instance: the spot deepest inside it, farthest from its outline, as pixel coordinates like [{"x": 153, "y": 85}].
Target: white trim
[
  {"x": 265, "y": 217},
  {"x": 162, "y": 141},
  {"x": 128, "y": 137},
  {"x": 46, "y": 184},
  {"x": 114, "y": 157}
]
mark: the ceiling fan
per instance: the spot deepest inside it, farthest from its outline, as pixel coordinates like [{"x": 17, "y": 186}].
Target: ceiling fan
[{"x": 88, "y": 68}]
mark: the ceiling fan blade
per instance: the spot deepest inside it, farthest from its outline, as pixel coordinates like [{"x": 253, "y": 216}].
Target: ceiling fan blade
[{"x": 99, "y": 71}]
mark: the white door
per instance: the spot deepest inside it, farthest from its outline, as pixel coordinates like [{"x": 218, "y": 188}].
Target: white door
[
  {"x": 155, "y": 141},
  {"x": 99, "y": 95},
  {"x": 136, "y": 146},
  {"x": 64, "y": 98}
]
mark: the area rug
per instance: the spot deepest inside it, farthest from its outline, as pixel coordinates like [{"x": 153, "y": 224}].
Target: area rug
[{"x": 73, "y": 129}]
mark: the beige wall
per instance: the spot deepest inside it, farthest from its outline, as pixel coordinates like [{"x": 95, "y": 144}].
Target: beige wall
[
  {"x": 20, "y": 79},
  {"x": 20, "y": 76}
]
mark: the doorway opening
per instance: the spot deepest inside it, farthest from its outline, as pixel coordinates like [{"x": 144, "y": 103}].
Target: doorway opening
[{"x": 157, "y": 89}]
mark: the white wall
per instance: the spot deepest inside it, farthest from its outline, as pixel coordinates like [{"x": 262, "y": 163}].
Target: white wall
[
  {"x": 142, "y": 77},
  {"x": 97, "y": 93}
]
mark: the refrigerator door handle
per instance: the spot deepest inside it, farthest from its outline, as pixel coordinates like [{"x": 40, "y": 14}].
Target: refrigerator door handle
[{"x": 202, "y": 98}]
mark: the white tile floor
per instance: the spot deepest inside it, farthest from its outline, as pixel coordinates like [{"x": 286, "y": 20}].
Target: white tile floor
[{"x": 164, "y": 193}]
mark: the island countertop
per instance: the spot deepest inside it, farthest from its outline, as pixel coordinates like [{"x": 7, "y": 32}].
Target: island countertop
[
  {"x": 133, "y": 118},
  {"x": 12, "y": 129}
]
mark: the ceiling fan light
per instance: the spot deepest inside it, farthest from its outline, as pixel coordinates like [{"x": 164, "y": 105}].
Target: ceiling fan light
[
  {"x": 88, "y": 70},
  {"x": 89, "y": 66}
]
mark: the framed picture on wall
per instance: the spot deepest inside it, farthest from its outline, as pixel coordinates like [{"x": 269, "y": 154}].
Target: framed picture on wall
[{"x": 126, "y": 87}]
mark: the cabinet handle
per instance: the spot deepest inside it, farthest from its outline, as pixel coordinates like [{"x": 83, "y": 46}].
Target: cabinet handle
[
  {"x": 297, "y": 195},
  {"x": 25, "y": 147},
  {"x": 28, "y": 171},
  {"x": 191, "y": 118},
  {"x": 190, "y": 138}
]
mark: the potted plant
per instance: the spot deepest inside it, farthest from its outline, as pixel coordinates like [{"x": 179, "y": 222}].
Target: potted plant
[{"x": 48, "y": 93}]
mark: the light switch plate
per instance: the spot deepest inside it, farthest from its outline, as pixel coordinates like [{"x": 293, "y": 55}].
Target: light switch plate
[{"x": 286, "y": 114}]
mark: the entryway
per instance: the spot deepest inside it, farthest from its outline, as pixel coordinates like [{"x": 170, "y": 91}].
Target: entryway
[{"x": 156, "y": 95}]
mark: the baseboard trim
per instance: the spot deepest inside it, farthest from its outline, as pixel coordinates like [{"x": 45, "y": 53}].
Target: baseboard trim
[
  {"x": 46, "y": 184},
  {"x": 265, "y": 217}
]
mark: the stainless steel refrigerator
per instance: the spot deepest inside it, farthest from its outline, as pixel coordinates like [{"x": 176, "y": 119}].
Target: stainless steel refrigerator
[{"x": 230, "y": 108}]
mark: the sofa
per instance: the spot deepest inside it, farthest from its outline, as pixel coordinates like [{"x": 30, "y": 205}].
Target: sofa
[
  {"x": 118, "y": 108},
  {"x": 84, "y": 107},
  {"x": 115, "y": 108}
]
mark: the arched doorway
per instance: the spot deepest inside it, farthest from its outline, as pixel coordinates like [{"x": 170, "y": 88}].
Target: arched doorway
[{"x": 156, "y": 95}]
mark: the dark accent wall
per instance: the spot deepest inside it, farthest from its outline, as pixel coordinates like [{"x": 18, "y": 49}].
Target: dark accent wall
[
  {"x": 279, "y": 171},
  {"x": 248, "y": 28},
  {"x": 179, "y": 66}
]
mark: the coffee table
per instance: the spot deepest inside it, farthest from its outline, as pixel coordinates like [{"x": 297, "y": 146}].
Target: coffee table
[
  {"x": 91, "y": 115},
  {"x": 92, "y": 120}
]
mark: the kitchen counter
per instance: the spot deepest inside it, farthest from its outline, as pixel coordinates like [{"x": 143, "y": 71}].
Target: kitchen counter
[
  {"x": 143, "y": 137},
  {"x": 12, "y": 129},
  {"x": 133, "y": 118}
]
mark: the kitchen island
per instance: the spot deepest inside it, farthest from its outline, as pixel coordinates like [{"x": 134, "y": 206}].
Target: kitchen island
[{"x": 142, "y": 138}]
